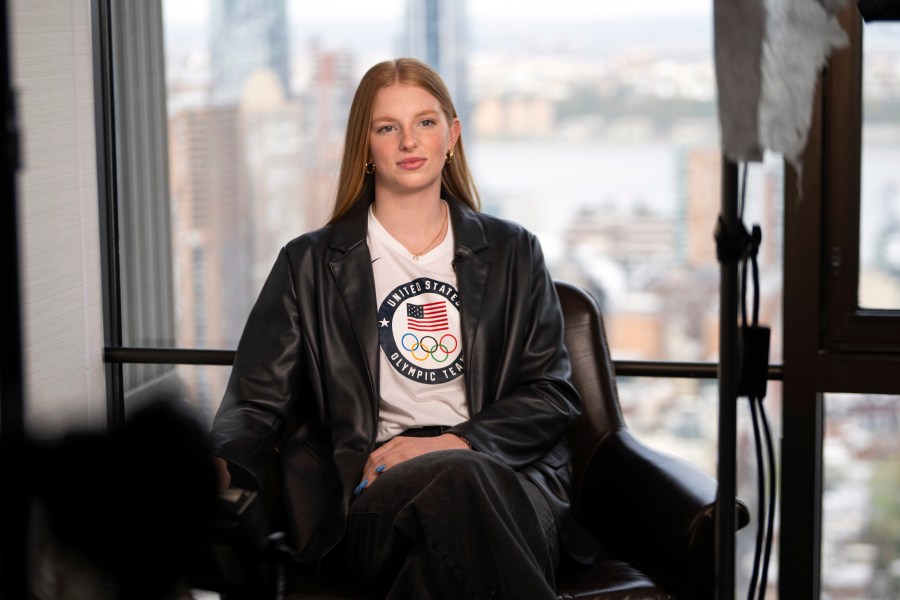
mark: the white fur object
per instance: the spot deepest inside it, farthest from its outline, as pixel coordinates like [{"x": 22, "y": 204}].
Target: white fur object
[{"x": 800, "y": 35}]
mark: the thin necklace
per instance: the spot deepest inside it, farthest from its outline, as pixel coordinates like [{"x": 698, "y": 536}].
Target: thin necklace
[{"x": 416, "y": 255}]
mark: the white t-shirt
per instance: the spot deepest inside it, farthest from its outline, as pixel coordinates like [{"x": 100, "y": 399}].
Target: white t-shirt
[{"x": 419, "y": 333}]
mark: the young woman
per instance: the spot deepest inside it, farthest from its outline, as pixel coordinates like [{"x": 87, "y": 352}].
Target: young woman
[{"x": 408, "y": 361}]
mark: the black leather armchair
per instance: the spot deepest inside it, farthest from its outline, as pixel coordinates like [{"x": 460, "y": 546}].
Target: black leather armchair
[{"x": 652, "y": 512}]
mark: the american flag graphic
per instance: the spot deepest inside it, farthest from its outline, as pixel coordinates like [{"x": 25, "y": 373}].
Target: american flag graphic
[{"x": 427, "y": 317}]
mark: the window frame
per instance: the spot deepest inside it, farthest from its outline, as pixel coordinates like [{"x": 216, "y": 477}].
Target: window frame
[
  {"x": 849, "y": 328},
  {"x": 830, "y": 344},
  {"x": 104, "y": 108},
  {"x": 116, "y": 354}
]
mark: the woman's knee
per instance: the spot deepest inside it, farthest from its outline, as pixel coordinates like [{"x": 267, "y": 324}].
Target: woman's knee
[{"x": 466, "y": 474}]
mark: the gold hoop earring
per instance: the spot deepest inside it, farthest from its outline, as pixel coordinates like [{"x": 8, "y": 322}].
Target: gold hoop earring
[
  {"x": 449, "y": 156},
  {"x": 370, "y": 168}
]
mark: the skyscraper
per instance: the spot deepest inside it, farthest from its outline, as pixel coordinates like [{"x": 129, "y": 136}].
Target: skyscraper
[
  {"x": 327, "y": 103},
  {"x": 212, "y": 226},
  {"x": 247, "y": 35},
  {"x": 437, "y": 33}
]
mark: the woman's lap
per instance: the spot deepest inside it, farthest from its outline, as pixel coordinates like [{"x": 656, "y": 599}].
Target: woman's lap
[{"x": 452, "y": 520}]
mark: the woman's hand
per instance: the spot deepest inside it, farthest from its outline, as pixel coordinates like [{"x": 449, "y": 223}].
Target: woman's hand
[{"x": 401, "y": 449}]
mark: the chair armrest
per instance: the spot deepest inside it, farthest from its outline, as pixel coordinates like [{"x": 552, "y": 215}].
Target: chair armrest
[{"x": 655, "y": 511}]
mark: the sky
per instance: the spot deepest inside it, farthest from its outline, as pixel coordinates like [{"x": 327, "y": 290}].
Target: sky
[{"x": 195, "y": 11}]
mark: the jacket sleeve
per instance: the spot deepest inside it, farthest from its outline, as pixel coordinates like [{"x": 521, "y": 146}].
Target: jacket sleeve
[
  {"x": 263, "y": 380},
  {"x": 536, "y": 401}
]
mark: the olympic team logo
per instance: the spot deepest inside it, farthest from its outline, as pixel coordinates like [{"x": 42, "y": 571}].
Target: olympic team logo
[{"x": 418, "y": 323}]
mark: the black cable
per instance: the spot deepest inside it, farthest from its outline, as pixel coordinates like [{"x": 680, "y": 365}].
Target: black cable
[
  {"x": 754, "y": 342},
  {"x": 749, "y": 251},
  {"x": 760, "y": 495},
  {"x": 755, "y": 241},
  {"x": 770, "y": 526},
  {"x": 743, "y": 268},
  {"x": 742, "y": 197}
]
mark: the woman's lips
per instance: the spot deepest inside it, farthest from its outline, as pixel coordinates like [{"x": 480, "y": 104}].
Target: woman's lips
[{"x": 411, "y": 163}]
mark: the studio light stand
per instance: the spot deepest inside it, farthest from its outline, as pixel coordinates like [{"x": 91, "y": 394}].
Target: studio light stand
[{"x": 730, "y": 243}]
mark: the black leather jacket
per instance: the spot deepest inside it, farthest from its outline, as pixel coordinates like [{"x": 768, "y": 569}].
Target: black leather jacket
[{"x": 306, "y": 374}]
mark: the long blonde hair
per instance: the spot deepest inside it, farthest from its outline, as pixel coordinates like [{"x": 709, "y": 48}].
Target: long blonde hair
[{"x": 353, "y": 181}]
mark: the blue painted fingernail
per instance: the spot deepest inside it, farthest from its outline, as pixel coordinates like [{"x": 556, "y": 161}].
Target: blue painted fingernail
[
  {"x": 380, "y": 468},
  {"x": 361, "y": 487}
]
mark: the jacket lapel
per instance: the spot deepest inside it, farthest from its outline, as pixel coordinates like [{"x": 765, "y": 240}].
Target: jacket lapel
[
  {"x": 351, "y": 266},
  {"x": 472, "y": 266}
]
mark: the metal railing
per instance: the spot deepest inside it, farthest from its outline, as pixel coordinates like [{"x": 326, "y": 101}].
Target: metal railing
[{"x": 624, "y": 368}]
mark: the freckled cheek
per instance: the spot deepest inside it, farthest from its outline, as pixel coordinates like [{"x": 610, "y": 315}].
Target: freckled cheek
[{"x": 376, "y": 152}]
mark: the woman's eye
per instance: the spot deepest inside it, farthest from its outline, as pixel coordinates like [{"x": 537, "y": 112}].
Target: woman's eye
[
  {"x": 427, "y": 122},
  {"x": 385, "y": 129}
]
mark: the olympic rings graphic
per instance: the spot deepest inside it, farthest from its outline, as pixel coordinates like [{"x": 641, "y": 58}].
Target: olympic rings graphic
[{"x": 430, "y": 348}]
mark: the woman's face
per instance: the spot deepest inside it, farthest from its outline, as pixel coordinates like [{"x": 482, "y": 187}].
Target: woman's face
[{"x": 409, "y": 139}]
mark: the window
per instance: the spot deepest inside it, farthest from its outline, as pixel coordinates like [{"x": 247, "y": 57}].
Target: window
[
  {"x": 840, "y": 342},
  {"x": 861, "y": 514},
  {"x": 593, "y": 126},
  {"x": 860, "y": 125},
  {"x": 879, "y": 285},
  {"x": 860, "y": 456}
]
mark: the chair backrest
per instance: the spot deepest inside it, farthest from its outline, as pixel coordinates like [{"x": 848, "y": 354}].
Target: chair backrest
[{"x": 593, "y": 374}]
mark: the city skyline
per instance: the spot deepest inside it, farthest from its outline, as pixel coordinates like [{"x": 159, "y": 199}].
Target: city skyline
[
  {"x": 622, "y": 192},
  {"x": 197, "y": 11}
]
